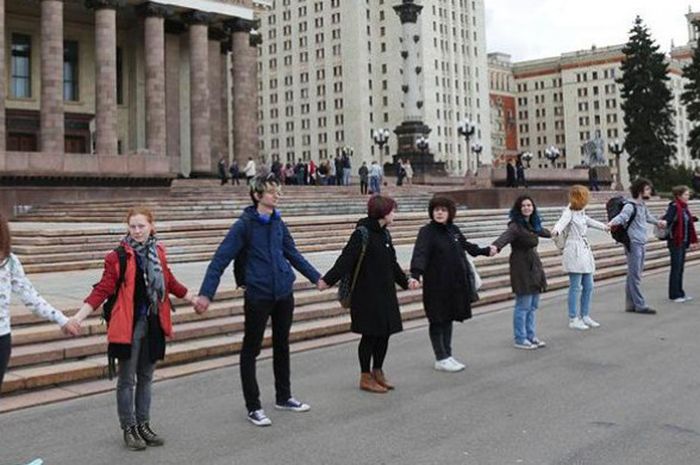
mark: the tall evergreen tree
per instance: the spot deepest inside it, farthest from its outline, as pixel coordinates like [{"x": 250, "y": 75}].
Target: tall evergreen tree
[
  {"x": 648, "y": 115},
  {"x": 691, "y": 99}
]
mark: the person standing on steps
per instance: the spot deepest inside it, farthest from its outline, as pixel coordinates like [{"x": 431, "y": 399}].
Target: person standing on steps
[
  {"x": 374, "y": 308},
  {"x": 363, "y": 172},
  {"x": 375, "y": 178},
  {"x": 578, "y": 260},
  {"x": 13, "y": 280},
  {"x": 681, "y": 235},
  {"x": 250, "y": 170},
  {"x": 235, "y": 173},
  {"x": 263, "y": 247},
  {"x": 137, "y": 273},
  {"x": 448, "y": 280},
  {"x": 527, "y": 277},
  {"x": 636, "y": 215},
  {"x": 221, "y": 166}
]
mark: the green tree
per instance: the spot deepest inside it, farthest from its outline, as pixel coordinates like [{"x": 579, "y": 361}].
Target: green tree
[
  {"x": 691, "y": 99},
  {"x": 648, "y": 115}
]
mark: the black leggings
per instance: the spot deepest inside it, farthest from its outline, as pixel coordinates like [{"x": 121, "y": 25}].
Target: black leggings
[
  {"x": 5, "y": 349},
  {"x": 372, "y": 350}
]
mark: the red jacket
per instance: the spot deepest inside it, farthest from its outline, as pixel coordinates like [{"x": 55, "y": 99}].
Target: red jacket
[{"x": 121, "y": 324}]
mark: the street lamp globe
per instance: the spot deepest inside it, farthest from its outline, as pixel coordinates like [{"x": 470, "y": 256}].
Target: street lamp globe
[
  {"x": 552, "y": 153},
  {"x": 381, "y": 137},
  {"x": 467, "y": 129},
  {"x": 527, "y": 156}
]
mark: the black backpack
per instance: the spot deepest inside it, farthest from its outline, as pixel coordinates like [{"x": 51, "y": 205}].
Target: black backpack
[
  {"x": 613, "y": 207},
  {"x": 239, "y": 263},
  {"x": 111, "y": 300}
]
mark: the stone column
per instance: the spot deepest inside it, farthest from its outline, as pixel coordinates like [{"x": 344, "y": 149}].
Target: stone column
[
  {"x": 215, "y": 108},
  {"x": 244, "y": 72},
  {"x": 154, "y": 44},
  {"x": 3, "y": 143},
  {"x": 51, "y": 114},
  {"x": 106, "y": 75},
  {"x": 225, "y": 76},
  {"x": 199, "y": 93}
]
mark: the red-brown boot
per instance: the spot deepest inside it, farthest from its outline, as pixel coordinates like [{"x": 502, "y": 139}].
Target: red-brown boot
[
  {"x": 368, "y": 383},
  {"x": 379, "y": 377}
]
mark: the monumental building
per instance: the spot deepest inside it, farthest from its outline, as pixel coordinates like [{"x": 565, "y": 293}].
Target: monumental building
[{"x": 330, "y": 74}]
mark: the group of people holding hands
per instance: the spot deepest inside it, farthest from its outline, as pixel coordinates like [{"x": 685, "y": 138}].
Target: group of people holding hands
[{"x": 137, "y": 281}]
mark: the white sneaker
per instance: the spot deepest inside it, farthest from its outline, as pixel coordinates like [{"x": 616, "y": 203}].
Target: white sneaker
[
  {"x": 446, "y": 365},
  {"x": 590, "y": 322},
  {"x": 538, "y": 343},
  {"x": 577, "y": 323},
  {"x": 688, "y": 298},
  {"x": 679, "y": 300},
  {"x": 526, "y": 345},
  {"x": 457, "y": 363}
]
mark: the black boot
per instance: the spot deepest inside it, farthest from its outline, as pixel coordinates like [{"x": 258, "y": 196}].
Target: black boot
[
  {"x": 132, "y": 439},
  {"x": 149, "y": 436}
]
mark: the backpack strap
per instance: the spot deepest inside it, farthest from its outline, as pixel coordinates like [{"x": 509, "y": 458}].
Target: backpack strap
[
  {"x": 633, "y": 215},
  {"x": 365, "y": 240}
]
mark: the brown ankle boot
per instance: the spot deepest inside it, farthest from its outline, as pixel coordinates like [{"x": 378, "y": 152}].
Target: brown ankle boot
[
  {"x": 367, "y": 383},
  {"x": 379, "y": 377}
]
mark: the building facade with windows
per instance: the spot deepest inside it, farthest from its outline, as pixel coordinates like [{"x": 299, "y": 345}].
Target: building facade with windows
[
  {"x": 330, "y": 73},
  {"x": 504, "y": 133},
  {"x": 117, "y": 89}
]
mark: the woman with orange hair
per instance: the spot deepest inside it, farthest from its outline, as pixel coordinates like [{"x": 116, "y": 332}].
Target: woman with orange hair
[
  {"x": 137, "y": 281},
  {"x": 578, "y": 259}
]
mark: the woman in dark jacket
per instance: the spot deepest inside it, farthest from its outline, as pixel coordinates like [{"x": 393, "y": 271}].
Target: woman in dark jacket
[
  {"x": 681, "y": 236},
  {"x": 527, "y": 276},
  {"x": 448, "y": 280},
  {"x": 374, "y": 306}
]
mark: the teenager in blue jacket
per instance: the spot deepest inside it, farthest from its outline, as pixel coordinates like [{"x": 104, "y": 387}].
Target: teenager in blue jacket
[{"x": 270, "y": 254}]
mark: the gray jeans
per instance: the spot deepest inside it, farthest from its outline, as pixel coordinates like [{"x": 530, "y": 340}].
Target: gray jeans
[
  {"x": 634, "y": 300},
  {"x": 135, "y": 375}
]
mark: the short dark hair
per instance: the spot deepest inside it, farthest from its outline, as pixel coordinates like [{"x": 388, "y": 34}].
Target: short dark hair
[
  {"x": 679, "y": 190},
  {"x": 638, "y": 186},
  {"x": 379, "y": 206},
  {"x": 443, "y": 202},
  {"x": 259, "y": 184}
]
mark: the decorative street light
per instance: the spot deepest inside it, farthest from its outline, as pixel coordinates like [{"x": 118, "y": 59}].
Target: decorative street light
[
  {"x": 348, "y": 151},
  {"x": 423, "y": 143},
  {"x": 527, "y": 156},
  {"x": 467, "y": 129},
  {"x": 551, "y": 153},
  {"x": 617, "y": 148},
  {"x": 381, "y": 137},
  {"x": 477, "y": 148}
]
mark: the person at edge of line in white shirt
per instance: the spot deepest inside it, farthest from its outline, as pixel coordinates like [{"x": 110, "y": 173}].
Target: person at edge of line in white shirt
[
  {"x": 641, "y": 190},
  {"x": 250, "y": 169},
  {"x": 577, "y": 257}
]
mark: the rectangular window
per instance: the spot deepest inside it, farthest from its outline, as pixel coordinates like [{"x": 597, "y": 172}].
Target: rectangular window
[
  {"x": 21, "y": 81},
  {"x": 70, "y": 71},
  {"x": 120, "y": 77}
]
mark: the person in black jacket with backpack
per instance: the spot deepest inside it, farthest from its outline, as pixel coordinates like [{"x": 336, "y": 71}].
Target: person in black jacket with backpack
[
  {"x": 680, "y": 235},
  {"x": 374, "y": 306},
  {"x": 448, "y": 280}
]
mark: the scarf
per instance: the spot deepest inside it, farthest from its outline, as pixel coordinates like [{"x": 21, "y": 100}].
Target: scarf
[
  {"x": 679, "y": 239},
  {"x": 152, "y": 270}
]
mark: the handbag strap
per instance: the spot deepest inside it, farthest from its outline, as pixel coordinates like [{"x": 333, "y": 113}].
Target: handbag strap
[{"x": 356, "y": 273}]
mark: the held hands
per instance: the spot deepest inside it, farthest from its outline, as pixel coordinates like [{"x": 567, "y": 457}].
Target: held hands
[
  {"x": 201, "y": 304},
  {"x": 71, "y": 328},
  {"x": 413, "y": 284},
  {"x": 191, "y": 298},
  {"x": 321, "y": 285},
  {"x": 493, "y": 251},
  {"x": 662, "y": 224}
]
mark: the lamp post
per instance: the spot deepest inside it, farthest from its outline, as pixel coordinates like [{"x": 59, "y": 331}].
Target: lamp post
[
  {"x": 423, "y": 143},
  {"x": 381, "y": 137},
  {"x": 617, "y": 148},
  {"x": 552, "y": 153},
  {"x": 348, "y": 151},
  {"x": 527, "y": 156},
  {"x": 467, "y": 129},
  {"x": 477, "y": 148}
]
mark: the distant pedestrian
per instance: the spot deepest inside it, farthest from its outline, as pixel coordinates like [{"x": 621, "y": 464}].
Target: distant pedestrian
[
  {"x": 332, "y": 173},
  {"x": 578, "y": 260},
  {"x": 289, "y": 178},
  {"x": 400, "y": 172},
  {"x": 449, "y": 284},
  {"x": 138, "y": 272},
  {"x": 520, "y": 174},
  {"x": 634, "y": 217},
  {"x": 221, "y": 165},
  {"x": 695, "y": 182},
  {"x": 593, "y": 178},
  {"x": 527, "y": 277},
  {"x": 409, "y": 172},
  {"x": 347, "y": 169},
  {"x": 374, "y": 308},
  {"x": 250, "y": 170},
  {"x": 235, "y": 172},
  {"x": 680, "y": 236},
  {"x": 510, "y": 174},
  {"x": 375, "y": 178},
  {"x": 339, "y": 171},
  {"x": 13, "y": 280},
  {"x": 363, "y": 172}
]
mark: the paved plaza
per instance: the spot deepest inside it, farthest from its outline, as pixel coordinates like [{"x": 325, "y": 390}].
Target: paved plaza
[{"x": 623, "y": 394}]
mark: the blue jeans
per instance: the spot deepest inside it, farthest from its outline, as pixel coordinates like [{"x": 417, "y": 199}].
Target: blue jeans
[
  {"x": 675, "y": 278},
  {"x": 346, "y": 176},
  {"x": 524, "y": 317},
  {"x": 374, "y": 185},
  {"x": 577, "y": 283}
]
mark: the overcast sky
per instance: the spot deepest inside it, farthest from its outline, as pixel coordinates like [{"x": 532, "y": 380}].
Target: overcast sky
[{"x": 531, "y": 29}]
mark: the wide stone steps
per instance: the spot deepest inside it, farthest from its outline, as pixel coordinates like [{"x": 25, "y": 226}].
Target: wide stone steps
[{"x": 43, "y": 358}]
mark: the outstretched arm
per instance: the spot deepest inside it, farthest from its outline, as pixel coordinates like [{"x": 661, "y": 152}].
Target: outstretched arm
[{"x": 297, "y": 259}]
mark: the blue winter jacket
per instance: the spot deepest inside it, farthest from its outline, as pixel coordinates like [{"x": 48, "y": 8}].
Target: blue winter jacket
[{"x": 268, "y": 273}]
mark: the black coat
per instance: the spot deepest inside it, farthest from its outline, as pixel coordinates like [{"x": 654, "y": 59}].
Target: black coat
[
  {"x": 439, "y": 258},
  {"x": 374, "y": 307},
  {"x": 526, "y": 270},
  {"x": 510, "y": 175}
]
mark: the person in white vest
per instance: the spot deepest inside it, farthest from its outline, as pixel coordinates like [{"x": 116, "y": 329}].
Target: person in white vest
[
  {"x": 571, "y": 234},
  {"x": 250, "y": 170}
]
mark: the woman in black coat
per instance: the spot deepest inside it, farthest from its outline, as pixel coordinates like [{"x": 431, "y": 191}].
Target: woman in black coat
[
  {"x": 374, "y": 306},
  {"x": 448, "y": 280}
]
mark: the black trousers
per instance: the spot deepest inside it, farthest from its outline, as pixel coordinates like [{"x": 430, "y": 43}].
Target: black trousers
[
  {"x": 5, "y": 350},
  {"x": 363, "y": 186},
  {"x": 257, "y": 313},
  {"x": 441, "y": 338},
  {"x": 372, "y": 351}
]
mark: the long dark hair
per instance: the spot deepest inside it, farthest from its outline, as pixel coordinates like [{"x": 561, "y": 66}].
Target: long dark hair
[{"x": 516, "y": 215}]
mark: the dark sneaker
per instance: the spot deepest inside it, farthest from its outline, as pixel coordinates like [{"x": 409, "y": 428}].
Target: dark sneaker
[
  {"x": 293, "y": 405},
  {"x": 258, "y": 418},
  {"x": 132, "y": 440},
  {"x": 149, "y": 436},
  {"x": 538, "y": 343},
  {"x": 630, "y": 310},
  {"x": 646, "y": 311}
]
